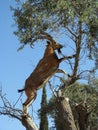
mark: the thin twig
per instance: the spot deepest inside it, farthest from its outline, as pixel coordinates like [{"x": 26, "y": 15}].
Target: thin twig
[
  {"x": 18, "y": 99},
  {"x": 52, "y": 89}
]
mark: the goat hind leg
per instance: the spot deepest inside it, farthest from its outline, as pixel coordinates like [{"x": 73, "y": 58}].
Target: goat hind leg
[{"x": 28, "y": 102}]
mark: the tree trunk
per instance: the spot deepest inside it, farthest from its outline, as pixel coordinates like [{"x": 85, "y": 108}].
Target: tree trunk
[
  {"x": 83, "y": 114},
  {"x": 43, "y": 112},
  {"x": 28, "y": 123},
  {"x": 65, "y": 114}
]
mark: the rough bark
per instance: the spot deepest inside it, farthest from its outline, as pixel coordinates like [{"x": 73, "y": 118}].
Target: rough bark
[
  {"x": 43, "y": 112},
  {"x": 28, "y": 123},
  {"x": 64, "y": 108},
  {"x": 65, "y": 114},
  {"x": 83, "y": 114}
]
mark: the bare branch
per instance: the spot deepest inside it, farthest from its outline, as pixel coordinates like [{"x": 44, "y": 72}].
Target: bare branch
[
  {"x": 73, "y": 34},
  {"x": 40, "y": 36},
  {"x": 52, "y": 89},
  {"x": 11, "y": 113},
  {"x": 28, "y": 123},
  {"x": 8, "y": 109},
  {"x": 78, "y": 49}
]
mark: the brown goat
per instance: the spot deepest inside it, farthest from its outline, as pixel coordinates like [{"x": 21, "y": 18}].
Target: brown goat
[{"x": 46, "y": 67}]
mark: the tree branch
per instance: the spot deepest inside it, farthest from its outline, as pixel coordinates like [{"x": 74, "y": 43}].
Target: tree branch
[
  {"x": 40, "y": 36},
  {"x": 28, "y": 123},
  {"x": 10, "y": 113},
  {"x": 9, "y": 110},
  {"x": 73, "y": 34},
  {"x": 52, "y": 89},
  {"x": 78, "y": 49}
]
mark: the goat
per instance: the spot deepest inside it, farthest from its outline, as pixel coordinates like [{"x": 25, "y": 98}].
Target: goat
[{"x": 46, "y": 67}]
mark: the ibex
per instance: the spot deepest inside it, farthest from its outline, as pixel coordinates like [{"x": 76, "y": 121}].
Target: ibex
[{"x": 46, "y": 67}]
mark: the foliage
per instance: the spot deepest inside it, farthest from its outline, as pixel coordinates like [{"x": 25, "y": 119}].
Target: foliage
[
  {"x": 43, "y": 112},
  {"x": 85, "y": 93},
  {"x": 34, "y": 17},
  {"x": 76, "y": 20},
  {"x": 78, "y": 93}
]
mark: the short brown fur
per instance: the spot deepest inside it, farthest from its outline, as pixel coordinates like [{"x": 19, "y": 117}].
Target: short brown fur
[{"x": 46, "y": 67}]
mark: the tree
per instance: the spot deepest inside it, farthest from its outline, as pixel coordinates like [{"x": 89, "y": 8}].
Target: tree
[
  {"x": 84, "y": 103},
  {"x": 33, "y": 18},
  {"x": 38, "y": 20},
  {"x": 76, "y": 20},
  {"x": 84, "y": 99},
  {"x": 43, "y": 112},
  {"x": 10, "y": 110}
]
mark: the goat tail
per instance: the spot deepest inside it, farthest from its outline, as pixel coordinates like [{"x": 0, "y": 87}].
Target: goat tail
[{"x": 20, "y": 90}]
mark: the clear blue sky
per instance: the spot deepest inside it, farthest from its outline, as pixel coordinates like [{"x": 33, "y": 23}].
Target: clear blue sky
[{"x": 15, "y": 66}]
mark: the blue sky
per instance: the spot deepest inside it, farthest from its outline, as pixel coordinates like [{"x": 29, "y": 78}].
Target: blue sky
[{"x": 15, "y": 66}]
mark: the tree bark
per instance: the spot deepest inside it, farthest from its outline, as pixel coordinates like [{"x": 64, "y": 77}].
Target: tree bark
[
  {"x": 28, "y": 123},
  {"x": 83, "y": 114},
  {"x": 65, "y": 114}
]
